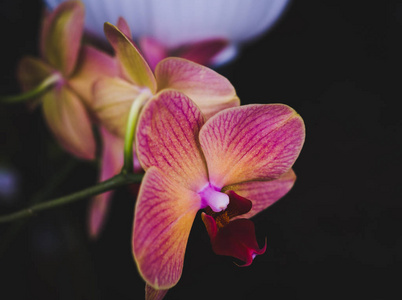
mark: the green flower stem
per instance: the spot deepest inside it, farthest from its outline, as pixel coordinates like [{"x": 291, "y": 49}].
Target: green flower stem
[
  {"x": 130, "y": 130},
  {"x": 52, "y": 184},
  {"x": 110, "y": 184},
  {"x": 43, "y": 86}
]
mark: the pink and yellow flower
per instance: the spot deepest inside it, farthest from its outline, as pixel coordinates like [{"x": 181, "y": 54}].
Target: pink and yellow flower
[
  {"x": 114, "y": 97},
  {"x": 72, "y": 69},
  {"x": 233, "y": 165}
]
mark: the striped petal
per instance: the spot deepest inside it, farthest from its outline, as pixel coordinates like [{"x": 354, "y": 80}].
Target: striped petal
[
  {"x": 167, "y": 137},
  {"x": 61, "y": 36},
  {"x": 113, "y": 98},
  {"x": 252, "y": 142},
  {"x": 164, "y": 214},
  {"x": 68, "y": 119},
  {"x": 111, "y": 164},
  {"x": 133, "y": 64},
  {"x": 209, "y": 90},
  {"x": 92, "y": 66},
  {"x": 263, "y": 194}
]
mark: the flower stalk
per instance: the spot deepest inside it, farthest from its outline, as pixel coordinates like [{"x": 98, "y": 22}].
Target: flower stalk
[
  {"x": 112, "y": 183},
  {"x": 38, "y": 90}
]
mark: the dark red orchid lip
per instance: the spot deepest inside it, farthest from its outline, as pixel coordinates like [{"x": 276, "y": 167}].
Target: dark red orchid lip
[
  {"x": 236, "y": 239},
  {"x": 233, "y": 238}
]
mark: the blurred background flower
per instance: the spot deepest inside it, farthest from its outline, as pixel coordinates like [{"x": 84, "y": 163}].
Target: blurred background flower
[
  {"x": 9, "y": 183},
  {"x": 175, "y": 23}
]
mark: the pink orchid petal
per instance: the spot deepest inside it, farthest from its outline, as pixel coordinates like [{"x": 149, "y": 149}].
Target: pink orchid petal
[
  {"x": 164, "y": 214},
  {"x": 124, "y": 27},
  {"x": 61, "y": 36},
  {"x": 68, "y": 119},
  {"x": 209, "y": 90},
  {"x": 92, "y": 66},
  {"x": 202, "y": 52},
  {"x": 167, "y": 137},
  {"x": 236, "y": 239},
  {"x": 111, "y": 164},
  {"x": 99, "y": 207},
  {"x": 113, "y": 98},
  {"x": 153, "y": 51},
  {"x": 152, "y": 294},
  {"x": 263, "y": 193},
  {"x": 252, "y": 142},
  {"x": 134, "y": 65}
]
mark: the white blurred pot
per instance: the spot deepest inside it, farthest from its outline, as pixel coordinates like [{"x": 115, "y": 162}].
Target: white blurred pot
[{"x": 177, "y": 22}]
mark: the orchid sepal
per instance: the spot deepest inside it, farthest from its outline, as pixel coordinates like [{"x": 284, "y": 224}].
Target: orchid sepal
[
  {"x": 162, "y": 222},
  {"x": 61, "y": 36},
  {"x": 69, "y": 121},
  {"x": 134, "y": 66}
]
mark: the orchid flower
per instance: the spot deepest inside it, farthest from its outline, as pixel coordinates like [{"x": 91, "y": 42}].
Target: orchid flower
[
  {"x": 233, "y": 165},
  {"x": 67, "y": 71},
  {"x": 115, "y": 98},
  {"x": 170, "y": 25}
]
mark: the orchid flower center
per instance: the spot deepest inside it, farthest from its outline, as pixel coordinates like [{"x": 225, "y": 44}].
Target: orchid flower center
[{"x": 212, "y": 197}]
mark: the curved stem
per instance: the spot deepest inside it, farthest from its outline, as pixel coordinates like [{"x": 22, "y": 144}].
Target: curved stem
[
  {"x": 130, "y": 130},
  {"x": 43, "y": 86},
  {"x": 112, "y": 183},
  {"x": 51, "y": 186}
]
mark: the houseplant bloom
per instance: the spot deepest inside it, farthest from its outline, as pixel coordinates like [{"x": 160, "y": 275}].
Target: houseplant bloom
[
  {"x": 233, "y": 165},
  {"x": 70, "y": 70},
  {"x": 175, "y": 23},
  {"x": 114, "y": 98}
]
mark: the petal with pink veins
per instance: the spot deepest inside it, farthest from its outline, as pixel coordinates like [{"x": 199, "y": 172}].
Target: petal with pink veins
[
  {"x": 263, "y": 193},
  {"x": 61, "y": 36},
  {"x": 113, "y": 98},
  {"x": 134, "y": 66},
  {"x": 68, "y": 119},
  {"x": 167, "y": 137},
  {"x": 252, "y": 142},
  {"x": 209, "y": 90},
  {"x": 111, "y": 164},
  {"x": 93, "y": 65},
  {"x": 164, "y": 214}
]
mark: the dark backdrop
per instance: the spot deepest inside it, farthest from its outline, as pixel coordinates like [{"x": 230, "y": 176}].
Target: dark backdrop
[{"x": 337, "y": 234}]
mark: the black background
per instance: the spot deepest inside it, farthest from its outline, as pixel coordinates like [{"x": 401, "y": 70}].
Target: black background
[{"x": 337, "y": 234}]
